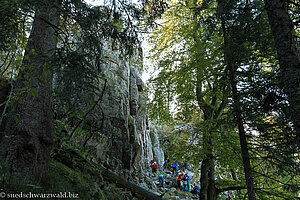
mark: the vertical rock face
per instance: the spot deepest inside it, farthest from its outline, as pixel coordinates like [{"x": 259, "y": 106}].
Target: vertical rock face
[
  {"x": 124, "y": 143},
  {"x": 158, "y": 152}
]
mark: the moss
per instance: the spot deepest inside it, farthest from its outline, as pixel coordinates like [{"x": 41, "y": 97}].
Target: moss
[
  {"x": 68, "y": 173},
  {"x": 130, "y": 120},
  {"x": 58, "y": 179},
  {"x": 61, "y": 178}
]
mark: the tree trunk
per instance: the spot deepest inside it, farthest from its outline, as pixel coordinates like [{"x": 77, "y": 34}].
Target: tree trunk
[
  {"x": 204, "y": 179},
  {"x": 207, "y": 179},
  {"x": 212, "y": 191},
  {"x": 30, "y": 130},
  {"x": 229, "y": 59},
  {"x": 242, "y": 134},
  {"x": 4, "y": 93},
  {"x": 208, "y": 190},
  {"x": 288, "y": 54}
]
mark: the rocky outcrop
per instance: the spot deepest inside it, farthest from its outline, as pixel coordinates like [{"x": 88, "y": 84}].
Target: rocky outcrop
[
  {"x": 158, "y": 153},
  {"x": 124, "y": 142}
]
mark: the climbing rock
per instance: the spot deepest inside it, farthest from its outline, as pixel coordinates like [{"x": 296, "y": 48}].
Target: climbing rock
[
  {"x": 168, "y": 176},
  {"x": 123, "y": 142},
  {"x": 158, "y": 152}
]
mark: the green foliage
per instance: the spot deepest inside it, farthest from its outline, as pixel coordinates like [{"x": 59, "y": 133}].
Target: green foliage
[
  {"x": 262, "y": 101},
  {"x": 15, "y": 25},
  {"x": 9, "y": 22},
  {"x": 183, "y": 52},
  {"x": 191, "y": 86}
]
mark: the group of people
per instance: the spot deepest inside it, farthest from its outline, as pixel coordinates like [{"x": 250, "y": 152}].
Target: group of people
[
  {"x": 161, "y": 178},
  {"x": 183, "y": 180}
]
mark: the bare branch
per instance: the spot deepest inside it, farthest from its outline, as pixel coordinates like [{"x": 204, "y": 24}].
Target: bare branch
[{"x": 86, "y": 114}]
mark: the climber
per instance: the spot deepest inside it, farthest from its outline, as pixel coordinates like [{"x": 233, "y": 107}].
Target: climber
[
  {"x": 154, "y": 167},
  {"x": 179, "y": 179},
  {"x": 165, "y": 166},
  {"x": 174, "y": 167},
  {"x": 196, "y": 189},
  {"x": 184, "y": 182},
  {"x": 188, "y": 187},
  {"x": 161, "y": 180}
]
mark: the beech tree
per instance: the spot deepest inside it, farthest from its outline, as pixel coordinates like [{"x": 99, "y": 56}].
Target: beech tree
[
  {"x": 249, "y": 69},
  {"x": 193, "y": 78}
]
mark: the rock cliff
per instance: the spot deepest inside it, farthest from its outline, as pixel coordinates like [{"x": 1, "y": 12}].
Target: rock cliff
[{"x": 124, "y": 144}]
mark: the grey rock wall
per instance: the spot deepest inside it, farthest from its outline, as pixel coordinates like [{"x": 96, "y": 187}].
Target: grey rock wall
[
  {"x": 158, "y": 152},
  {"x": 124, "y": 142}
]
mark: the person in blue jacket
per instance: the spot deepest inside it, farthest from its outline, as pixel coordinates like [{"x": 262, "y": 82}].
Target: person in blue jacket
[
  {"x": 174, "y": 167},
  {"x": 161, "y": 180}
]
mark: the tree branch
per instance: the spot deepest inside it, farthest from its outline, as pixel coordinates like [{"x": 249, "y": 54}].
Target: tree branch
[{"x": 86, "y": 114}]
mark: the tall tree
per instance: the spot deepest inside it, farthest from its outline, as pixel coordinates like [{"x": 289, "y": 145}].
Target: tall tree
[
  {"x": 232, "y": 60},
  {"x": 29, "y": 133},
  {"x": 238, "y": 114},
  {"x": 288, "y": 52},
  {"x": 196, "y": 80}
]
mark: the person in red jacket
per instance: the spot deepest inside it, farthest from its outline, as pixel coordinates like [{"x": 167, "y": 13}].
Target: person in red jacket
[
  {"x": 154, "y": 167},
  {"x": 179, "y": 179}
]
